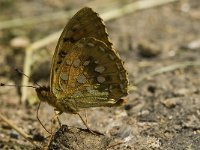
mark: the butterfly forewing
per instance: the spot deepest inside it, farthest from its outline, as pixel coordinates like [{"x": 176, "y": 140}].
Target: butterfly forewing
[
  {"x": 91, "y": 74},
  {"x": 85, "y": 23}
]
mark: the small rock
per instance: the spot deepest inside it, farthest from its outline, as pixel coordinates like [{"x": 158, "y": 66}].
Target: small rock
[
  {"x": 156, "y": 144},
  {"x": 192, "y": 121},
  {"x": 19, "y": 42},
  {"x": 151, "y": 88},
  {"x": 69, "y": 138},
  {"x": 148, "y": 49},
  {"x": 14, "y": 135},
  {"x": 123, "y": 132},
  {"x": 183, "y": 91},
  {"x": 38, "y": 137},
  {"x": 144, "y": 113},
  {"x": 170, "y": 102}
]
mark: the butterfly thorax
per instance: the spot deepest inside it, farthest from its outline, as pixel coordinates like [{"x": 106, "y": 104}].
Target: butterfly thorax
[
  {"x": 62, "y": 105},
  {"x": 45, "y": 95}
]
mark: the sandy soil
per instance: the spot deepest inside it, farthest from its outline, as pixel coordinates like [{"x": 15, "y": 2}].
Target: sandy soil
[{"x": 163, "y": 109}]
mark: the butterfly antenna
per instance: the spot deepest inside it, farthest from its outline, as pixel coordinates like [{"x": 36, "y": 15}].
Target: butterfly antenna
[
  {"x": 22, "y": 73},
  {"x": 2, "y": 84},
  {"x": 39, "y": 118}
]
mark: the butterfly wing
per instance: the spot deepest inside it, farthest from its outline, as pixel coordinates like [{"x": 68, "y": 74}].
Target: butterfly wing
[
  {"x": 85, "y": 23},
  {"x": 91, "y": 75}
]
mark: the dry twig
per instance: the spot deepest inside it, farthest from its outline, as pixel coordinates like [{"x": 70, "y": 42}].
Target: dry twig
[
  {"x": 165, "y": 69},
  {"x": 27, "y": 61},
  {"x": 23, "y": 134},
  {"x": 18, "y": 22}
]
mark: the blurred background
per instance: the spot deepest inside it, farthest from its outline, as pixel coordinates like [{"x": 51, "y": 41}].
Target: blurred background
[{"x": 159, "y": 41}]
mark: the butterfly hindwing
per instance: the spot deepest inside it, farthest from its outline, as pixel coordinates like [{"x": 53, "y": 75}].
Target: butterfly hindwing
[{"x": 92, "y": 73}]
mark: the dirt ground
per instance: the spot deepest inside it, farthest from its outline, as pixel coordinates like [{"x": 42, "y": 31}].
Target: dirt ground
[{"x": 161, "y": 50}]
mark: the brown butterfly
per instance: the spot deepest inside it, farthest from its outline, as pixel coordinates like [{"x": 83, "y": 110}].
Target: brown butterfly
[{"x": 86, "y": 71}]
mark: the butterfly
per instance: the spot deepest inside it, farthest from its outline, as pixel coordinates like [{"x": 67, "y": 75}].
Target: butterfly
[{"x": 86, "y": 71}]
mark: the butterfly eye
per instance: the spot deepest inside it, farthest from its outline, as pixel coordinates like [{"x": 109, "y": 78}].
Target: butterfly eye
[{"x": 43, "y": 93}]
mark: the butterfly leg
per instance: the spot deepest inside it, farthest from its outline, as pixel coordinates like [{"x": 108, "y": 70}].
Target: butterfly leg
[
  {"x": 52, "y": 122},
  {"x": 86, "y": 117},
  {"x": 57, "y": 117},
  {"x": 85, "y": 123},
  {"x": 54, "y": 118},
  {"x": 39, "y": 118}
]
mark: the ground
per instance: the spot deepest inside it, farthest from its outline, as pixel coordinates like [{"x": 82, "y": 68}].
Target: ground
[{"x": 160, "y": 47}]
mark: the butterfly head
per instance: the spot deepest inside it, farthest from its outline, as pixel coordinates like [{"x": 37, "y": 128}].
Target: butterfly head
[{"x": 45, "y": 95}]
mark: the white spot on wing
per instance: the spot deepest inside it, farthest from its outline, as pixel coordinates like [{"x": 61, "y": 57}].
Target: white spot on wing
[
  {"x": 76, "y": 62},
  {"x": 80, "y": 45},
  {"x": 121, "y": 77},
  {"x": 89, "y": 88},
  {"x": 86, "y": 63},
  {"x": 111, "y": 56},
  {"x": 64, "y": 76},
  {"x": 68, "y": 62},
  {"x": 99, "y": 69},
  {"x": 118, "y": 66},
  {"x": 102, "y": 49},
  {"x": 122, "y": 87},
  {"x": 78, "y": 94},
  {"x": 110, "y": 88},
  {"x": 81, "y": 79},
  {"x": 90, "y": 44},
  {"x": 73, "y": 85},
  {"x": 101, "y": 79}
]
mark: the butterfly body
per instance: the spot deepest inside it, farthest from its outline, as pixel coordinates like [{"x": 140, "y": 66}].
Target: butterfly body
[{"x": 86, "y": 71}]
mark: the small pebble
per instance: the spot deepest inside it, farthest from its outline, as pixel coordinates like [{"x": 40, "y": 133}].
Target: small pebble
[
  {"x": 14, "y": 135},
  {"x": 19, "y": 42},
  {"x": 151, "y": 88},
  {"x": 148, "y": 49},
  {"x": 170, "y": 102}
]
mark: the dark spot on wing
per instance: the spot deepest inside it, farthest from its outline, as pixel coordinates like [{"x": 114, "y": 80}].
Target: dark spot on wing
[
  {"x": 74, "y": 29},
  {"x": 62, "y": 53},
  {"x": 108, "y": 78},
  {"x": 72, "y": 40},
  {"x": 59, "y": 62}
]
